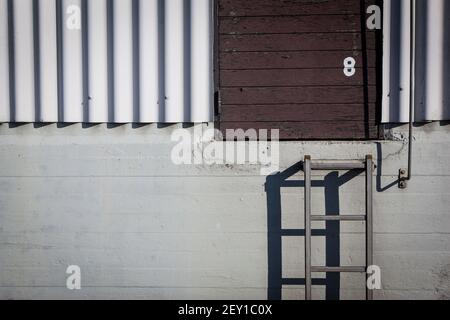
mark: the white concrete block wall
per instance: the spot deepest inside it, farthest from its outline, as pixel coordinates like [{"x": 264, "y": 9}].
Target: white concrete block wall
[{"x": 112, "y": 202}]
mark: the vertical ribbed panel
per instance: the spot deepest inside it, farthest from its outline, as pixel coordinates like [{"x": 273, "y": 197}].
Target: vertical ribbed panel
[
  {"x": 174, "y": 61},
  {"x": 98, "y": 61},
  {"x": 123, "y": 61},
  {"x": 72, "y": 62},
  {"x": 396, "y": 60},
  {"x": 24, "y": 61},
  {"x": 432, "y": 61},
  {"x": 4, "y": 63},
  {"x": 201, "y": 62},
  {"x": 149, "y": 69},
  {"x": 105, "y": 61},
  {"x": 432, "y": 99},
  {"x": 48, "y": 78}
]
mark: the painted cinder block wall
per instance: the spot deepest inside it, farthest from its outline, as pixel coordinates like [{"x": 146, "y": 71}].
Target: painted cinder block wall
[{"x": 111, "y": 201}]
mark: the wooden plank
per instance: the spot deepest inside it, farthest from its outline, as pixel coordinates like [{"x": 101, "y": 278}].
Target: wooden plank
[
  {"x": 295, "y": 42},
  {"x": 281, "y": 66},
  {"x": 290, "y": 24},
  {"x": 295, "y": 77},
  {"x": 337, "y": 130},
  {"x": 288, "y": 95},
  {"x": 231, "y": 8},
  {"x": 298, "y": 112},
  {"x": 291, "y": 60}
]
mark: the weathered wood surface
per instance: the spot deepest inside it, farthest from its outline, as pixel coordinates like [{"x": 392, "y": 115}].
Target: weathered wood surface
[
  {"x": 281, "y": 63},
  {"x": 239, "y": 8}
]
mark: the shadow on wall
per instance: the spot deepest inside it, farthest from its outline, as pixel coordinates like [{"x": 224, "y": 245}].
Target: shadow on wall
[{"x": 331, "y": 183}]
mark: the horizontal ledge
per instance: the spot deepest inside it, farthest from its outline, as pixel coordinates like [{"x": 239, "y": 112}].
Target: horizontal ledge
[
  {"x": 288, "y": 33},
  {"x": 230, "y": 16},
  {"x": 339, "y": 218},
  {"x": 339, "y": 269},
  {"x": 306, "y": 86},
  {"x": 291, "y": 68},
  {"x": 262, "y": 52}
]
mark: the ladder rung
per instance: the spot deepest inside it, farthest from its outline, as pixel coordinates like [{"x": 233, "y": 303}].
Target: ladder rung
[
  {"x": 339, "y": 218},
  {"x": 339, "y": 269},
  {"x": 330, "y": 165},
  {"x": 301, "y": 281}
]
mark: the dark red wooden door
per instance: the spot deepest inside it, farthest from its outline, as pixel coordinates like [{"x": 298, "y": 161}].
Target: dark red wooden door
[{"x": 281, "y": 66}]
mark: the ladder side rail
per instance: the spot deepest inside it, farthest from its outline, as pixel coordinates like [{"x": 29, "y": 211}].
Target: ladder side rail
[
  {"x": 369, "y": 220},
  {"x": 307, "y": 189}
]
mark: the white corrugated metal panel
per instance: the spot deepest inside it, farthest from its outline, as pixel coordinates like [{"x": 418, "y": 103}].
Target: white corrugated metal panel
[
  {"x": 175, "y": 84},
  {"x": 4, "y": 63},
  {"x": 72, "y": 61},
  {"x": 98, "y": 64},
  {"x": 23, "y": 61},
  {"x": 149, "y": 68},
  {"x": 48, "y": 78},
  {"x": 431, "y": 56},
  {"x": 116, "y": 61},
  {"x": 201, "y": 62}
]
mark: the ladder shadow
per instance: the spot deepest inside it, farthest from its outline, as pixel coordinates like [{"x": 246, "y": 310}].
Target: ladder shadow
[{"x": 275, "y": 232}]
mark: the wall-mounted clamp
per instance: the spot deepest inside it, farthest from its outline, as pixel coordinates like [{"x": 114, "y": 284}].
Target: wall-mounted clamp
[{"x": 403, "y": 178}]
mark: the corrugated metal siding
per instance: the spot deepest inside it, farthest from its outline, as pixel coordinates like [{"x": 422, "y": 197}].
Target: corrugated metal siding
[
  {"x": 116, "y": 61},
  {"x": 432, "y": 60}
]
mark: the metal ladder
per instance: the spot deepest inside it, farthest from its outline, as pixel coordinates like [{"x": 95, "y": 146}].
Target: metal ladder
[{"x": 308, "y": 167}]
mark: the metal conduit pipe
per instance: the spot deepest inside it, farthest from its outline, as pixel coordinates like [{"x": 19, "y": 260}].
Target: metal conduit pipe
[{"x": 406, "y": 175}]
